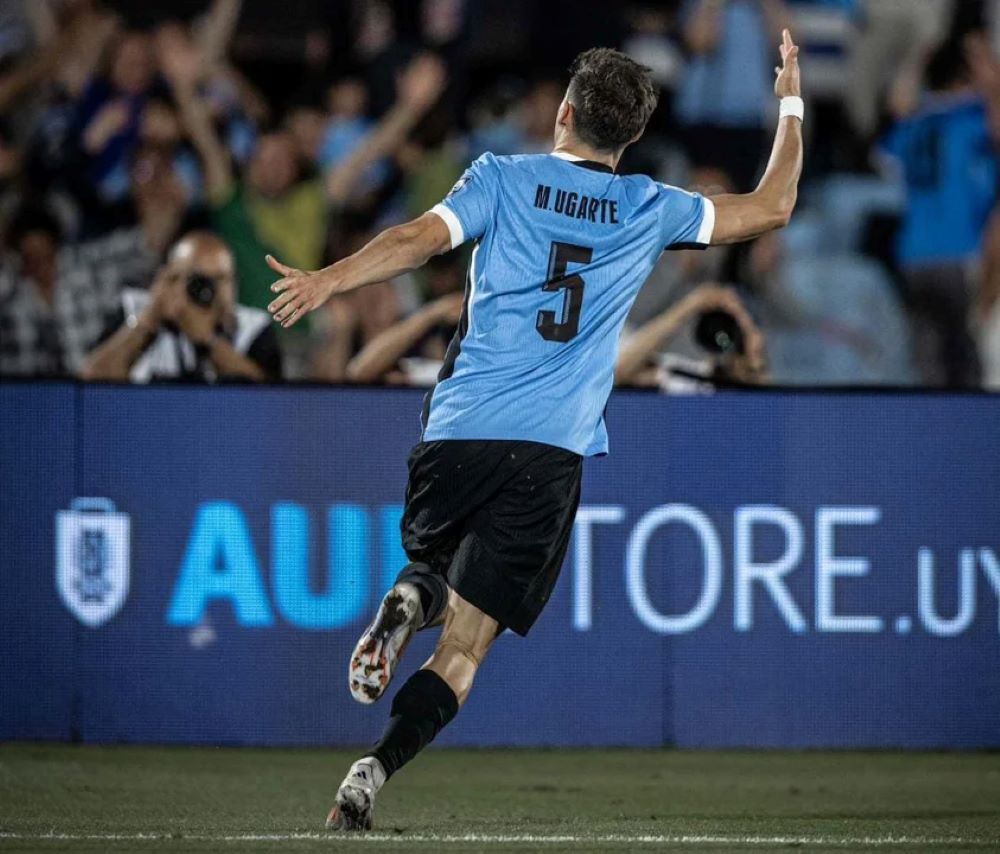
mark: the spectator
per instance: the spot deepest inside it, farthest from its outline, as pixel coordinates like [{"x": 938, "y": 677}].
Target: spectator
[
  {"x": 11, "y": 159},
  {"x": 163, "y": 184},
  {"x": 66, "y": 54},
  {"x": 538, "y": 116},
  {"x": 54, "y": 298},
  {"x": 431, "y": 162},
  {"x": 39, "y": 95},
  {"x": 410, "y": 352},
  {"x": 495, "y": 125},
  {"x": 273, "y": 209},
  {"x": 19, "y": 25},
  {"x": 991, "y": 15},
  {"x": 389, "y": 336},
  {"x": 507, "y": 120},
  {"x": 896, "y": 37},
  {"x": 730, "y": 346},
  {"x": 830, "y": 318},
  {"x": 725, "y": 90},
  {"x": 347, "y": 324},
  {"x": 306, "y": 124},
  {"x": 188, "y": 325},
  {"x": 946, "y": 151},
  {"x": 128, "y": 149},
  {"x": 827, "y": 31},
  {"x": 649, "y": 43},
  {"x": 110, "y": 110},
  {"x": 348, "y": 124},
  {"x": 987, "y": 315}
]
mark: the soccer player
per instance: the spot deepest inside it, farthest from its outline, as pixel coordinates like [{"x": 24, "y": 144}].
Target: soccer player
[{"x": 562, "y": 246}]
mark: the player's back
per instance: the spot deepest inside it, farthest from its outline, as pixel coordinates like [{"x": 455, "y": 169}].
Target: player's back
[{"x": 562, "y": 248}]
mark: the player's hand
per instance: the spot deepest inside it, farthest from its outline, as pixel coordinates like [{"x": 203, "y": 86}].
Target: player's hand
[
  {"x": 299, "y": 293},
  {"x": 788, "y": 82}
]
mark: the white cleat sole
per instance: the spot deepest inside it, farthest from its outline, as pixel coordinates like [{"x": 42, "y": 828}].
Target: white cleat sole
[
  {"x": 378, "y": 651},
  {"x": 352, "y": 812}
]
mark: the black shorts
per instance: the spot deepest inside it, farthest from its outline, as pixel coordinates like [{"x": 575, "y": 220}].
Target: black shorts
[{"x": 494, "y": 518}]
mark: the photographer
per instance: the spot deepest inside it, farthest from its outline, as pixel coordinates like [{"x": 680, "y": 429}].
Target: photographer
[
  {"x": 728, "y": 344},
  {"x": 188, "y": 325}
]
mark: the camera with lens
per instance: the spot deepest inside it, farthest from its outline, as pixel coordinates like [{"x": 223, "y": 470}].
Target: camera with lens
[
  {"x": 201, "y": 289},
  {"x": 719, "y": 333}
]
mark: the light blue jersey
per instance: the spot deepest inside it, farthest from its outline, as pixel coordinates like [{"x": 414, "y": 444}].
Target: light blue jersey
[{"x": 562, "y": 248}]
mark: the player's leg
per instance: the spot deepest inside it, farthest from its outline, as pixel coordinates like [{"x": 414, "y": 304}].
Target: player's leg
[
  {"x": 426, "y": 703},
  {"x": 429, "y": 699},
  {"x": 416, "y": 601},
  {"x": 517, "y": 502},
  {"x": 467, "y": 636},
  {"x": 497, "y": 517},
  {"x": 437, "y": 502}
]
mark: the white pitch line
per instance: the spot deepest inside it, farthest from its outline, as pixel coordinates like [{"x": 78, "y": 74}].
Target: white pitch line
[{"x": 513, "y": 838}]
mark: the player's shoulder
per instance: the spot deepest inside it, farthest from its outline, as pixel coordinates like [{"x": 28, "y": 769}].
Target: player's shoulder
[
  {"x": 548, "y": 163},
  {"x": 642, "y": 188},
  {"x": 487, "y": 167},
  {"x": 670, "y": 190},
  {"x": 514, "y": 169},
  {"x": 506, "y": 162},
  {"x": 642, "y": 183}
]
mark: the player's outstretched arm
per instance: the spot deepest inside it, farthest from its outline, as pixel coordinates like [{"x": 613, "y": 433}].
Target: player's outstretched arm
[
  {"x": 770, "y": 206},
  {"x": 395, "y": 251}
]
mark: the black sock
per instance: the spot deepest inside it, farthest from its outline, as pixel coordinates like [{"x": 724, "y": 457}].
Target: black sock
[
  {"x": 420, "y": 710},
  {"x": 433, "y": 589}
]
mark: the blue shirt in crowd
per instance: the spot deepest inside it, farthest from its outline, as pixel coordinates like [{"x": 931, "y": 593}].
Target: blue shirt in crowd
[
  {"x": 341, "y": 139},
  {"x": 950, "y": 170},
  {"x": 733, "y": 85},
  {"x": 851, "y": 7},
  {"x": 562, "y": 248}
]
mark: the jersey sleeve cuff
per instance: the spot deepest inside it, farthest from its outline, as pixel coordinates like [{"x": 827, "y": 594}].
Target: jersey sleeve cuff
[
  {"x": 454, "y": 225},
  {"x": 707, "y": 229}
]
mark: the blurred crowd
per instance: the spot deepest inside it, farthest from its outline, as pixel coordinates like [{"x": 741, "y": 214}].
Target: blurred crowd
[{"x": 152, "y": 154}]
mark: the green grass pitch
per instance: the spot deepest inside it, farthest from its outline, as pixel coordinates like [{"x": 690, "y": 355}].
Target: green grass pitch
[{"x": 68, "y": 798}]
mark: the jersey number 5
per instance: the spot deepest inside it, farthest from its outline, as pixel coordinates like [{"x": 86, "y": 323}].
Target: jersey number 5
[{"x": 565, "y": 329}]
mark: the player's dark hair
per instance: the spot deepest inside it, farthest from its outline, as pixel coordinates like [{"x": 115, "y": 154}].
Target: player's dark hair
[{"x": 613, "y": 98}]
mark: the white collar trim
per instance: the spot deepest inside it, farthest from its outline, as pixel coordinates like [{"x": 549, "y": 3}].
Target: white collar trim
[{"x": 565, "y": 155}]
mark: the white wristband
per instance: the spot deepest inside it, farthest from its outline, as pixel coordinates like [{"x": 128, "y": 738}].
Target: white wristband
[{"x": 793, "y": 105}]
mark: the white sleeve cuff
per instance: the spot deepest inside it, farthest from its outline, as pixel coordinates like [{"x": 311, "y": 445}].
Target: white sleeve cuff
[
  {"x": 707, "y": 224},
  {"x": 450, "y": 220}
]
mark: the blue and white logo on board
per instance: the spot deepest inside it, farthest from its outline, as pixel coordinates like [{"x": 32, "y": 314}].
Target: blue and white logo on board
[{"x": 92, "y": 559}]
